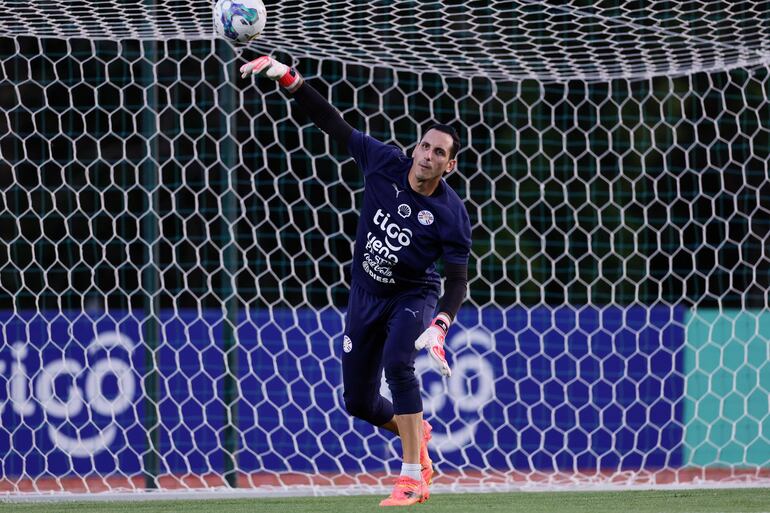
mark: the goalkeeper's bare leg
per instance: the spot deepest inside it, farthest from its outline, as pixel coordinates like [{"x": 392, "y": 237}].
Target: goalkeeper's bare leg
[
  {"x": 409, "y": 430},
  {"x": 423, "y": 436}
]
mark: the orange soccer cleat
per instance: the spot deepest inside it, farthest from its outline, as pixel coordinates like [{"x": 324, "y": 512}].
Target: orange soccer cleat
[
  {"x": 425, "y": 461},
  {"x": 407, "y": 491}
]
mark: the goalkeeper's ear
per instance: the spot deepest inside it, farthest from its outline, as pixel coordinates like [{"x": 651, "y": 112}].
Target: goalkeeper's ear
[{"x": 451, "y": 166}]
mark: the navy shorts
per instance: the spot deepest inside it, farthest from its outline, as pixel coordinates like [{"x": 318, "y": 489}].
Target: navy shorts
[{"x": 379, "y": 336}]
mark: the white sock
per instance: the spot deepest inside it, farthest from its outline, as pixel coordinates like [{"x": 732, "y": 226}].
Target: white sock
[{"x": 412, "y": 470}]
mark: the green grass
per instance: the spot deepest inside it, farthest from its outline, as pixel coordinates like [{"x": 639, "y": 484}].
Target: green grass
[{"x": 683, "y": 501}]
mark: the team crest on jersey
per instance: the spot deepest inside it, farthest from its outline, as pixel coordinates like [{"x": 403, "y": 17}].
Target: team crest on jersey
[
  {"x": 425, "y": 217},
  {"x": 347, "y": 344},
  {"x": 404, "y": 210}
]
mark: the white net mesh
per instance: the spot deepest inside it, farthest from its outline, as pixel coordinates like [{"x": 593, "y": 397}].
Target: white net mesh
[
  {"x": 172, "y": 279},
  {"x": 509, "y": 40}
]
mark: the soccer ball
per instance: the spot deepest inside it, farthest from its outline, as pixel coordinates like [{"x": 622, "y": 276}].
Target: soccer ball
[{"x": 239, "y": 20}]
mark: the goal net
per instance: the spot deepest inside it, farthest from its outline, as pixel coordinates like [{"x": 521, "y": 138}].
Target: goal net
[{"x": 176, "y": 243}]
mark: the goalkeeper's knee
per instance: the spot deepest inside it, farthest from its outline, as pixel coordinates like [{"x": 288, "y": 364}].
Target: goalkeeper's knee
[
  {"x": 374, "y": 410},
  {"x": 359, "y": 407}
]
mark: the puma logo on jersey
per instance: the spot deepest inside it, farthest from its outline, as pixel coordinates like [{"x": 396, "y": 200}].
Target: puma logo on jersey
[
  {"x": 413, "y": 312},
  {"x": 398, "y": 191}
]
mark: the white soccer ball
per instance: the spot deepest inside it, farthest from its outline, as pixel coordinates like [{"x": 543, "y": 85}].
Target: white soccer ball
[{"x": 239, "y": 20}]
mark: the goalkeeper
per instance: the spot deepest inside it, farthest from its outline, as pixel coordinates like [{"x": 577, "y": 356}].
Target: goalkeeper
[{"x": 409, "y": 219}]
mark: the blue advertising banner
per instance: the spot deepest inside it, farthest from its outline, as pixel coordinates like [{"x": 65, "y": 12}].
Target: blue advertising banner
[
  {"x": 71, "y": 394},
  {"x": 532, "y": 389}
]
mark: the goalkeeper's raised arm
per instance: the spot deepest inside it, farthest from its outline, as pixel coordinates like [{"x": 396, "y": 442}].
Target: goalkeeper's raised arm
[{"x": 320, "y": 111}]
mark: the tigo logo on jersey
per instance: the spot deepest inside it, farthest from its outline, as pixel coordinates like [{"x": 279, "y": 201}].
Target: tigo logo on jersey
[
  {"x": 347, "y": 344},
  {"x": 425, "y": 217},
  {"x": 404, "y": 210},
  {"x": 383, "y": 256},
  {"x": 397, "y": 237}
]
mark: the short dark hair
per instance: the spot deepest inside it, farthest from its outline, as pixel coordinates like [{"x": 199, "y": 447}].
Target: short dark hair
[{"x": 455, "y": 149}]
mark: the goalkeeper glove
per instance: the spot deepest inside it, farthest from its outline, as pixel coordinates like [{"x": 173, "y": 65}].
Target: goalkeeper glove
[
  {"x": 265, "y": 66},
  {"x": 433, "y": 339}
]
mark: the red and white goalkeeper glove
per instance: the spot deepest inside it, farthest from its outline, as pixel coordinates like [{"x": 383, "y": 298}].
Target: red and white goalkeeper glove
[
  {"x": 265, "y": 66},
  {"x": 433, "y": 339}
]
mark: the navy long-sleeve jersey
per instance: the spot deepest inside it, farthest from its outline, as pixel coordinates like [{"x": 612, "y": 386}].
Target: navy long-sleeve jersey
[{"x": 401, "y": 233}]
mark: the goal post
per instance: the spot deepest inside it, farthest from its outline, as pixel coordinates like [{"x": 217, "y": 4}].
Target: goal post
[{"x": 177, "y": 241}]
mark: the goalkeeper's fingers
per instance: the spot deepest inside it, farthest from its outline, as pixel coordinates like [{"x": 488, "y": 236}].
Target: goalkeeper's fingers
[
  {"x": 256, "y": 66},
  {"x": 439, "y": 357},
  {"x": 422, "y": 341},
  {"x": 433, "y": 339},
  {"x": 265, "y": 66}
]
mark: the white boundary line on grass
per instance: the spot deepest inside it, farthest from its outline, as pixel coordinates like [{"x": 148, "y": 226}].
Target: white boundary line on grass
[{"x": 327, "y": 491}]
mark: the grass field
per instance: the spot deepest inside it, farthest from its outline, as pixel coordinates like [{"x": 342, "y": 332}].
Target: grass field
[{"x": 690, "y": 501}]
